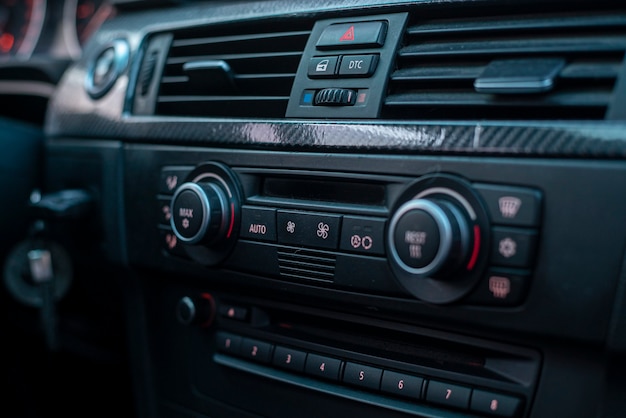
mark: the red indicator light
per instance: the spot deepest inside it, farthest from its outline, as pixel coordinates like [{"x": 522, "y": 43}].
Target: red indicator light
[
  {"x": 6, "y": 42},
  {"x": 476, "y": 249}
]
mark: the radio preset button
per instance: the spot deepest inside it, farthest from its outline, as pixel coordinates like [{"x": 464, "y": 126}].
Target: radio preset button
[
  {"x": 402, "y": 384},
  {"x": 258, "y": 351},
  {"x": 322, "y": 366},
  {"x": 495, "y": 404},
  {"x": 364, "y": 376},
  {"x": 258, "y": 223},
  {"x": 308, "y": 229},
  {"x": 453, "y": 396},
  {"x": 289, "y": 359}
]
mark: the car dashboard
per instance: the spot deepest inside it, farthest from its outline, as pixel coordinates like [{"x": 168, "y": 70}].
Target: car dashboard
[{"x": 333, "y": 208}]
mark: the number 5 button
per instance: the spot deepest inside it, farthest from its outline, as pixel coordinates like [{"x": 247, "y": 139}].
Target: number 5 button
[
  {"x": 453, "y": 396},
  {"x": 402, "y": 384},
  {"x": 364, "y": 376}
]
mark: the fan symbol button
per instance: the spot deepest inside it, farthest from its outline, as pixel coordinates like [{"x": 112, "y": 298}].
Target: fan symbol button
[{"x": 322, "y": 230}]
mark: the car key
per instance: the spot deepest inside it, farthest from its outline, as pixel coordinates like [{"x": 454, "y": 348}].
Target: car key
[{"x": 40, "y": 263}]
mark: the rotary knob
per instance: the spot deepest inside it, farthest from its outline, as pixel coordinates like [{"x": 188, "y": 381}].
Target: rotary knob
[
  {"x": 429, "y": 238},
  {"x": 438, "y": 238},
  {"x": 200, "y": 213}
]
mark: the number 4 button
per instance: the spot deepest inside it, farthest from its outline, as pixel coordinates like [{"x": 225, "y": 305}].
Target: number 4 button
[{"x": 322, "y": 366}]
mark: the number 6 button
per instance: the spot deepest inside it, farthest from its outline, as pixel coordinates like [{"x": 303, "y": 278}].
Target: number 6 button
[{"x": 402, "y": 384}]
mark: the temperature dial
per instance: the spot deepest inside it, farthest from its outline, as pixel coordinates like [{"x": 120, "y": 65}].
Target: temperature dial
[
  {"x": 437, "y": 239},
  {"x": 206, "y": 213},
  {"x": 429, "y": 237},
  {"x": 200, "y": 213}
]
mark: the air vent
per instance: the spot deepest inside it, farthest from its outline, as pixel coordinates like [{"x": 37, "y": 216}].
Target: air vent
[
  {"x": 243, "y": 71},
  {"x": 441, "y": 60},
  {"x": 299, "y": 264}
]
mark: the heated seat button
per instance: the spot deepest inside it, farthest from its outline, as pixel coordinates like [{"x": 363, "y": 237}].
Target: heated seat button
[
  {"x": 308, "y": 229},
  {"x": 289, "y": 359},
  {"x": 363, "y": 235},
  {"x": 358, "y": 65},
  {"x": 513, "y": 247},
  {"x": 452, "y": 396},
  {"x": 495, "y": 404},
  {"x": 515, "y": 206},
  {"x": 258, "y": 223},
  {"x": 353, "y": 35},
  {"x": 165, "y": 213},
  {"x": 322, "y": 67},
  {"x": 171, "y": 178},
  {"x": 171, "y": 244},
  {"x": 322, "y": 366},
  {"x": 402, "y": 384},
  {"x": 364, "y": 376},
  {"x": 258, "y": 351}
]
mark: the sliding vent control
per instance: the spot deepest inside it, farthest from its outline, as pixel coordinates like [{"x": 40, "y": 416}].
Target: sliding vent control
[
  {"x": 205, "y": 213},
  {"x": 438, "y": 239}
]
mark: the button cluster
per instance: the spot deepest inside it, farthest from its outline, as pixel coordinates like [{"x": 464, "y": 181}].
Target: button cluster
[
  {"x": 344, "y": 36},
  {"x": 343, "y": 66},
  {"x": 169, "y": 180},
  {"x": 363, "y": 235},
  {"x": 515, "y": 214},
  {"x": 370, "y": 377}
]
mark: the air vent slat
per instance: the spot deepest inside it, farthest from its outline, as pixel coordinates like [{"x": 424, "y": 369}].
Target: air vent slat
[
  {"x": 257, "y": 62},
  {"x": 437, "y": 73},
  {"x": 441, "y": 60},
  {"x": 237, "y": 38},
  {"x": 517, "y": 47},
  {"x": 516, "y": 24},
  {"x": 592, "y": 98}
]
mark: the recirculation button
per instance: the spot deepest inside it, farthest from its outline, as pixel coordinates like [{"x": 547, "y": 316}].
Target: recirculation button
[{"x": 335, "y": 97}]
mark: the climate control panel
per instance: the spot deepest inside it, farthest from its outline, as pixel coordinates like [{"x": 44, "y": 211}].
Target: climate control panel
[{"x": 441, "y": 238}]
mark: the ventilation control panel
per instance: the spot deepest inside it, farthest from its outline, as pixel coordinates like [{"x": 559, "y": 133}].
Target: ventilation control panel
[
  {"x": 441, "y": 240},
  {"x": 345, "y": 66}
]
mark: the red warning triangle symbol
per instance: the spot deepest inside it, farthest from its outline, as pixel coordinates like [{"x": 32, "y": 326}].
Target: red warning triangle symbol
[{"x": 348, "y": 36}]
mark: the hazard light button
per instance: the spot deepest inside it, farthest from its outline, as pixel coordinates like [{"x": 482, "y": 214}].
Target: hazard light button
[{"x": 353, "y": 35}]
